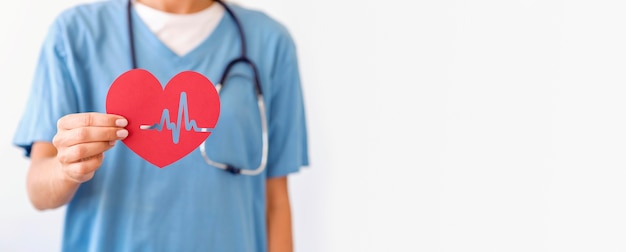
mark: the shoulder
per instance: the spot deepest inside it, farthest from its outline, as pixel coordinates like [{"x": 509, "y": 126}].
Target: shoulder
[
  {"x": 76, "y": 24},
  {"x": 91, "y": 15},
  {"x": 259, "y": 23}
]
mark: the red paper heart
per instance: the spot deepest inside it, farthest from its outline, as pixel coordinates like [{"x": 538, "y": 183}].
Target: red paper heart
[{"x": 138, "y": 96}]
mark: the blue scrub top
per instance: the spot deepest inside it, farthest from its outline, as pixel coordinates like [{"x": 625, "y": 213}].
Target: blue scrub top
[{"x": 130, "y": 204}]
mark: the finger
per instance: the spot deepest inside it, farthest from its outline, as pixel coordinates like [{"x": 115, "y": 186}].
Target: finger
[
  {"x": 79, "y": 152},
  {"x": 73, "y": 121},
  {"x": 88, "y": 135},
  {"x": 83, "y": 170}
]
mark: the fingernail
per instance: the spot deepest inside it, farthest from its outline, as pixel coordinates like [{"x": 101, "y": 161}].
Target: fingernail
[
  {"x": 122, "y": 133},
  {"x": 121, "y": 122},
  {"x": 112, "y": 142}
]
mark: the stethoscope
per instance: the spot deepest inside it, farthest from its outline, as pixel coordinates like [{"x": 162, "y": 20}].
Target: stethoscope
[{"x": 243, "y": 58}]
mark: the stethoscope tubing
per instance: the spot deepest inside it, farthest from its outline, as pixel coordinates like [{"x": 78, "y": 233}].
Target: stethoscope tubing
[{"x": 243, "y": 58}]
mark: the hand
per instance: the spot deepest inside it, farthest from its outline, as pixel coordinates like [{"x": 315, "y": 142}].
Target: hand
[{"x": 82, "y": 139}]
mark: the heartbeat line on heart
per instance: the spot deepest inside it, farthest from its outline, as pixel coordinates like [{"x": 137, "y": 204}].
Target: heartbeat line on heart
[{"x": 175, "y": 127}]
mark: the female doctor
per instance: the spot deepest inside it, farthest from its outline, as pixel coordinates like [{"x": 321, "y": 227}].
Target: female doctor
[{"x": 116, "y": 201}]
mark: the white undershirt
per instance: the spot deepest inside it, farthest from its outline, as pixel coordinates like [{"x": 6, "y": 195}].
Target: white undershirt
[{"x": 180, "y": 32}]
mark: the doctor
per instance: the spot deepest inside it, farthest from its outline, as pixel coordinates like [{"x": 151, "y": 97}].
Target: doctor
[{"x": 117, "y": 201}]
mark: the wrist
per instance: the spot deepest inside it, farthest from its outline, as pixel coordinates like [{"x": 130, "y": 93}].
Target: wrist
[{"x": 63, "y": 177}]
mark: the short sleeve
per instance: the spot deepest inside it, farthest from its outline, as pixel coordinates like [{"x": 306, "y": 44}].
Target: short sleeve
[
  {"x": 288, "y": 150},
  {"x": 51, "y": 94}
]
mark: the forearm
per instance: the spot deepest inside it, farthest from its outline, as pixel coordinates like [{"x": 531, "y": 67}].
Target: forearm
[
  {"x": 47, "y": 185},
  {"x": 279, "y": 233},
  {"x": 279, "y": 230}
]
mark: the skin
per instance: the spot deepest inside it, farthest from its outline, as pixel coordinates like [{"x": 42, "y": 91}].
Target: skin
[{"x": 57, "y": 169}]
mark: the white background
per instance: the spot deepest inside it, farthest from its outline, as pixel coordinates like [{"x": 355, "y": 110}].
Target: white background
[{"x": 434, "y": 125}]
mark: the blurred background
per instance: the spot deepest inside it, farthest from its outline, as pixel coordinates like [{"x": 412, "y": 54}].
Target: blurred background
[{"x": 448, "y": 125}]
